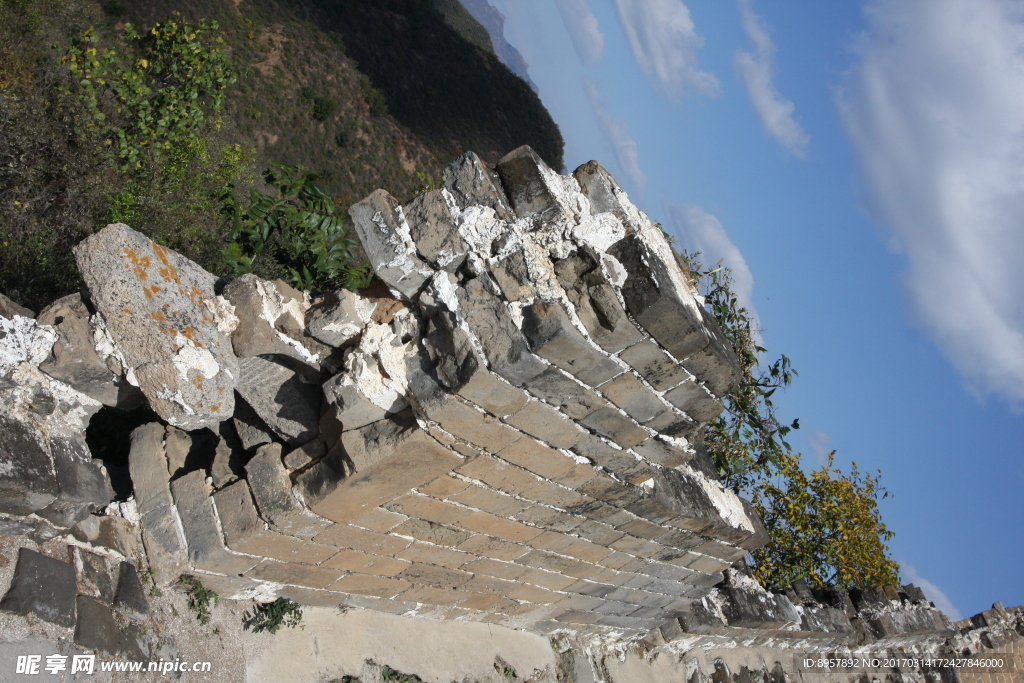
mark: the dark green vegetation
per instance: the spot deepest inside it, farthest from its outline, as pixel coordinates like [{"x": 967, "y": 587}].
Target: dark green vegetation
[
  {"x": 107, "y": 122},
  {"x": 825, "y": 526},
  {"x": 271, "y": 616},
  {"x": 200, "y": 598}
]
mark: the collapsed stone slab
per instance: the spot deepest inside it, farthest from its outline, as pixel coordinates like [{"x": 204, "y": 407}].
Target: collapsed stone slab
[
  {"x": 167, "y": 326},
  {"x": 42, "y": 586}
]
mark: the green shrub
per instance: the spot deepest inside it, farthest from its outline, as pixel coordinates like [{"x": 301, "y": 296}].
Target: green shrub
[
  {"x": 199, "y": 597},
  {"x": 826, "y": 526},
  {"x": 158, "y": 93},
  {"x": 271, "y": 616},
  {"x": 374, "y": 98},
  {"x": 298, "y": 228}
]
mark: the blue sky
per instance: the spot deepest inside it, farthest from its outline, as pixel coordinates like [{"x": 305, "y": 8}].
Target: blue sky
[{"x": 860, "y": 167}]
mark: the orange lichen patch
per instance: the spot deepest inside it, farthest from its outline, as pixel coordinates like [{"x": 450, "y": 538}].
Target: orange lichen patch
[
  {"x": 150, "y": 291},
  {"x": 190, "y": 334},
  {"x": 139, "y": 265},
  {"x": 158, "y": 316},
  {"x": 198, "y": 382},
  {"x": 215, "y": 408},
  {"x": 128, "y": 311}
]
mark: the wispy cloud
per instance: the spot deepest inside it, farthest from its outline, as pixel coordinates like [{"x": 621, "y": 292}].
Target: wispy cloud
[
  {"x": 581, "y": 23},
  {"x": 931, "y": 591},
  {"x": 623, "y": 146},
  {"x": 698, "y": 230},
  {"x": 664, "y": 43},
  {"x": 934, "y": 108},
  {"x": 819, "y": 443},
  {"x": 756, "y": 70}
]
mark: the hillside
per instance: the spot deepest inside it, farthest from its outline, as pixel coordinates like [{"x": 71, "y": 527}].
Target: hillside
[{"x": 310, "y": 89}]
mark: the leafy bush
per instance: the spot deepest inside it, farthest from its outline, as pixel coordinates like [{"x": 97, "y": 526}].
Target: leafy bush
[
  {"x": 392, "y": 676},
  {"x": 826, "y": 526},
  {"x": 299, "y": 228},
  {"x": 199, "y": 597},
  {"x": 156, "y": 94},
  {"x": 271, "y": 616},
  {"x": 374, "y": 97}
]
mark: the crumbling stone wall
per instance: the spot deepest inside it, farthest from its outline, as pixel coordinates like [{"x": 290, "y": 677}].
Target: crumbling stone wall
[{"x": 505, "y": 428}]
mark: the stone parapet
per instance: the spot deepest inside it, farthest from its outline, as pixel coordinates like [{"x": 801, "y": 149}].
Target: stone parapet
[{"x": 501, "y": 429}]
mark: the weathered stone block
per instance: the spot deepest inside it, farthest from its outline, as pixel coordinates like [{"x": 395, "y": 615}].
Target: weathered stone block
[
  {"x": 472, "y": 183},
  {"x": 547, "y": 518},
  {"x": 425, "y": 553},
  {"x": 499, "y": 570},
  {"x": 347, "y": 536},
  {"x": 695, "y": 401},
  {"x": 531, "y": 186},
  {"x": 503, "y": 344},
  {"x": 305, "y": 454},
  {"x": 42, "y": 586},
  {"x": 252, "y": 431},
  {"x": 296, "y": 574},
  {"x": 662, "y": 451},
  {"x": 206, "y": 549},
  {"x": 487, "y": 390},
  {"x": 630, "y": 394},
  {"x": 337, "y": 318},
  {"x": 489, "y": 500},
  {"x": 656, "y": 366},
  {"x": 613, "y": 492},
  {"x": 484, "y": 523},
  {"x": 96, "y": 628},
  {"x": 538, "y": 458},
  {"x": 160, "y": 311},
  {"x": 271, "y": 320},
  {"x": 430, "y": 509},
  {"x": 279, "y": 396},
  {"x": 540, "y": 420},
  {"x": 495, "y": 548},
  {"x": 364, "y": 584},
  {"x": 165, "y": 547},
  {"x": 29, "y": 482},
  {"x": 550, "y": 494},
  {"x": 567, "y": 394},
  {"x": 364, "y": 563},
  {"x": 552, "y": 336},
  {"x": 148, "y": 466},
  {"x": 245, "y": 532},
  {"x": 443, "y": 487},
  {"x": 660, "y": 300},
  {"x": 75, "y": 361},
  {"x": 614, "y": 426},
  {"x": 378, "y": 519},
  {"x": 596, "y": 304},
  {"x": 498, "y": 474},
  {"x": 402, "y": 463},
  {"x": 9, "y": 309},
  {"x": 384, "y": 234},
  {"x": 131, "y": 595},
  {"x": 433, "y": 225},
  {"x": 431, "y": 575},
  {"x": 431, "y": 532},
  {"x": 272, "y": 490}
]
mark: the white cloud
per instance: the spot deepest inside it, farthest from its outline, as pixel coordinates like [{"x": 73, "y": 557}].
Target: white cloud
[
  {"x": 935, "y": 111},
  {"x": 698, "y": 230},
  {"x": 756, "y": 71},
  {"x": 664, "y": 43},
  {"x": 623, "y": 146},
  {"x": 931, "y": 591},
  {"x": 581, "y": 23},
  {"x": 819, "y": 442}
]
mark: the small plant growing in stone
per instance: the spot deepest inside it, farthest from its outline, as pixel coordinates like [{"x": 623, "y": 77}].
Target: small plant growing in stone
[
  {"x": 200, "y": 598},
  {"x": 271, "y": 616},
  {"x": 154, "y": 590},
  {"x": 391, "y": 676}
]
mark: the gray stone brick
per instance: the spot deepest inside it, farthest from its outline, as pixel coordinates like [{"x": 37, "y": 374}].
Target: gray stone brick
[
  {"x": 553, "y": 337},
  {"x": 384, "y": 234},
  {"x": 662, "y": 452},
  {"x": 206, "y": 549},
  {"x": 567, "y": 394},
  {"x": 630, "y": 394},
  {"x": 434, "y": 230},
  {"x": 695, "y": 401},
  {"x": 472, "y": 183},
  {"x": 613, "y": 425},
  {"x": 547, "y": 424}
]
